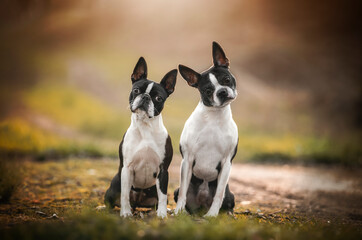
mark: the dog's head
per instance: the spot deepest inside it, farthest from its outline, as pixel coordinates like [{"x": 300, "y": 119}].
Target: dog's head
[
  {"x": 217, "y": 85},
  {"x": 148, "y": 97}
]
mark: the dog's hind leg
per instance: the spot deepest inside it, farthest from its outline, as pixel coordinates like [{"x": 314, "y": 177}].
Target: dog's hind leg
[
  {"x": 192, "y": 199},
  {"x": 145, "y": 198},
  {"x": 175, "y": 194},
  {"x": 191, "y": 205},
  {"x": 113, "y": 193},
  {"x": 220, "y": 189},
  {"x": 228, "y": 203}
]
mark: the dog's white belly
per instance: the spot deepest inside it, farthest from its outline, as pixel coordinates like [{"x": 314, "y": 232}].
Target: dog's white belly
[
  {"x": 206, "y": 163},
  {"x": 145, "y": 164},
  {"x": 208, "y": 173},
  {"x": 209, "y": 150}
]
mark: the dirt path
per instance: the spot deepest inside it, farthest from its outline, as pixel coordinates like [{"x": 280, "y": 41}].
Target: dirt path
[{"x": 330, "y": 194}]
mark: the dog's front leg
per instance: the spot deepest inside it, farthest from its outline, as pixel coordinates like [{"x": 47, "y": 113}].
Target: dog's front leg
[
  {"x": 186, "y": 173},
  {"x": 126, "y": 184},
  {"x": 220, "y": 190},
  {"x": 161, "y": 184}
]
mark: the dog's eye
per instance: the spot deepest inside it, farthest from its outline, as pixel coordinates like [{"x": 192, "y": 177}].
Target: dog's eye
[
  {"x": 136, "y": 91},
  {"x": 227, "y": 80},
  {"x": 158, "y": 99}
]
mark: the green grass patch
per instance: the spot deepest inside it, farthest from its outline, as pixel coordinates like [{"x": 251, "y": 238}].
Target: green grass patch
[
  {"x": 109, "y": 226},
  {"x": 78, "y": 109},
  {"x": 19, "y": 138},
  {"x": 272, "y": 148}
]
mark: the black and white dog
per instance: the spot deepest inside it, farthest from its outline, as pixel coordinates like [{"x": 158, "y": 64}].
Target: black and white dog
[
  {"x": 209, "y": 140},
  {"x": 145, "y": 152}
]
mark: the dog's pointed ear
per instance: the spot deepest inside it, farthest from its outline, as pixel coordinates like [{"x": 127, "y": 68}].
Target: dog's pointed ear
[
  {"x": 169, "y": 81},
  {"x": 218, "y": 56},
  {"x": 189, "y": 75},
  {"x": 140, "y": 70}
]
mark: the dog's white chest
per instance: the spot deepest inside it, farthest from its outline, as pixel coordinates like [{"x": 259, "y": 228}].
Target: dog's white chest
[
  {"x": 143, "y": 151},
  {"x": 209, "y": 138}
]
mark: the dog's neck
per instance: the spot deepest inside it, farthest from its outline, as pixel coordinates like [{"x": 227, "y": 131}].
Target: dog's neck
[
  {"x": 141, "y": 121},
  {"x": 214, "y": 112}
]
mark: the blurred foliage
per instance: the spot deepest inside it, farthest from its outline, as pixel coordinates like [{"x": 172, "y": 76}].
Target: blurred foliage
[
  {"x": 72, "y": 107},
  {"x": 18, "y": 138},
  {"x": 275, "y": 148}
]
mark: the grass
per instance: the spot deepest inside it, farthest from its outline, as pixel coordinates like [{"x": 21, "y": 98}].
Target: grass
[
  {"x": 93, "y": 225},
  {"x": 77, "y": 109},
  {"x": 19, "y": 138},
  {"x": 294, "y": 148},
  {"x": 18, "y": 135}
]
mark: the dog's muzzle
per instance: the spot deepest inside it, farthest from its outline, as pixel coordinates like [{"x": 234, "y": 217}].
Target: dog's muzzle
[
  {"x": 143, "y": 103},
  {"x": 224, "y": 96}
]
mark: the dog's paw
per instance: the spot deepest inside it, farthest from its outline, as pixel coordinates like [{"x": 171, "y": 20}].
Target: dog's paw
[
  {"x": 162, "y": 213},
  {"x": 211, "y": 213},
  {"x": 126, "y": 213},
  {"x": 179, "y": 208}
]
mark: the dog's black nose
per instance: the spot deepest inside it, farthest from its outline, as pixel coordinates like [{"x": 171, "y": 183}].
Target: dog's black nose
[
  {"x": 222, "y": 93},
  {"x": 146, "y": 97}
]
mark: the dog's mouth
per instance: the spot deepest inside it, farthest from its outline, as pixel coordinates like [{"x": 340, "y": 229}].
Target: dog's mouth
[
  {"x": 227, "y": 100},
  {"x": 142, "y": 108},
  {"x": 142, "y": 113}
]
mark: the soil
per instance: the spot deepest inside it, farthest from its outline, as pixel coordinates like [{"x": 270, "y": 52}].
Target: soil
[{"x": 328, "y": 194}]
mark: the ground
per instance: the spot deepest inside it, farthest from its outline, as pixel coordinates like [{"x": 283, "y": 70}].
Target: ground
[{"x": 58, "y": 191}]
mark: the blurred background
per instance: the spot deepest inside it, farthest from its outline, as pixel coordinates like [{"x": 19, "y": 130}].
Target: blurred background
[{"x": 65, "y": 70}]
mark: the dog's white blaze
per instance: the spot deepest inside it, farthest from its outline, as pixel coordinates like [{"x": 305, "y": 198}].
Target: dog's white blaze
[
  {"x": 149, "y": 88},
  {"x": 217, "y": 87},
  {"x": 151, "y": 109},
  {"x": 214, "y": 81},
  {"x": 136, "y": 102}
]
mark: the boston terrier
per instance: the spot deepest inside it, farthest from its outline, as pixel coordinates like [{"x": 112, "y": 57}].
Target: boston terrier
[
  {"x": 209, "y": 140},
  {"x": 145, "y": 151}
]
